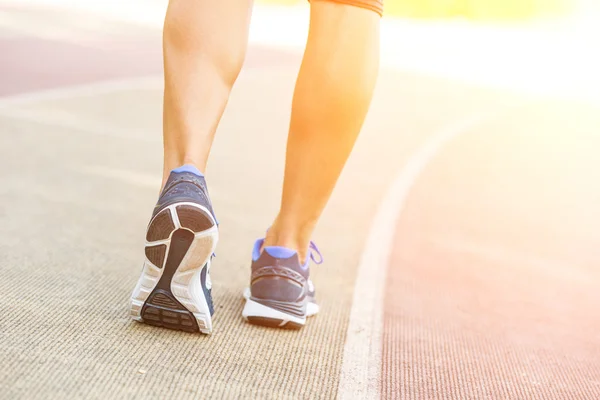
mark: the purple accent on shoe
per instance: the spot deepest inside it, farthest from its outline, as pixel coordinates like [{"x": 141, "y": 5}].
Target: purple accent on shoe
[
  {"x": 313, "y": 249},
  {"x": 256, "y": 250},
  {"x": 188, "y": 168},
  {"x": 185, "y": 184},
  {"x": 278, "y": 279},
  {"x": 279, "y": 251},
  {"x": 284, "y": 252}
]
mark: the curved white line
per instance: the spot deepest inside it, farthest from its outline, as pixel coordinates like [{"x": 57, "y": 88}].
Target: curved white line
[
  {"x": 83, "y": 90},
  {"x": 361, "y": 366}
]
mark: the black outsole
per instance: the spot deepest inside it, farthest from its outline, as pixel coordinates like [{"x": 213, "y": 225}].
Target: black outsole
[
  {"x": 189, "y": 218},
  {"x": 162, "y": 308},
  {"x": 156, "y": 254},
  {"x": 161, "y": 227},
  {"x": 170, "y": 317},
  {"x": 274, "y": 323}
]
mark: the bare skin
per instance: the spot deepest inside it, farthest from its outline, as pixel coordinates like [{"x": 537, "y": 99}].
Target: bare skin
[
  {"x": 204, "y": 46},
  {"x": 331, "y": 99}
]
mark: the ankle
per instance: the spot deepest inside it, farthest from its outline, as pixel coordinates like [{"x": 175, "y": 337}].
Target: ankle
[
  {"x": 172, "y": 163},
  {"x": 289, "y": 241},
  {"x": 290, "y": 235}
]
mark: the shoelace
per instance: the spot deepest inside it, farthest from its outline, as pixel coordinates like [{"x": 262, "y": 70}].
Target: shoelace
[{"x": 313, "y": 249}]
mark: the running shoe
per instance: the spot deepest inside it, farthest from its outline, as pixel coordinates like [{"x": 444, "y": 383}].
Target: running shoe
[
  {"x": 280, "y": 293},
  {"x": 174, "y": 290}
]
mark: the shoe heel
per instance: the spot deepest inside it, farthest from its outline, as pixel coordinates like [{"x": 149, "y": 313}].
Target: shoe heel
[
  {"x": 260, "y": 314},
  {"x": 171, "y": 291}
]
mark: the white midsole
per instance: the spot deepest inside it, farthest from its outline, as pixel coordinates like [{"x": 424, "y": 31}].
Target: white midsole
[
  {"x": 311, "y": 308},
  {"x": 254, "y": 309},
  {"x": 186, "y": 284}
]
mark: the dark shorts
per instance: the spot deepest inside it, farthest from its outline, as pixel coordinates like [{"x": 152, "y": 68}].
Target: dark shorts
[{"x": 373, "y": 5}]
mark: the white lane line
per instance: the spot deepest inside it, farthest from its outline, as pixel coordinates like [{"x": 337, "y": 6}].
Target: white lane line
[
  {"x": 75, "y": 123},
  {"x": 15, "y": 106},
  {"x": 361, "y": 367},
  {"x": 85, "y": 90}
]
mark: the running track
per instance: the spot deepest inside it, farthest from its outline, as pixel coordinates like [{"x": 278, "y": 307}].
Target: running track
[{"x": 489, "y": 285}]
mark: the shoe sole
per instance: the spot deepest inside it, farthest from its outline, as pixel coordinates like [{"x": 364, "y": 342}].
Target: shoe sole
[
  {"x": 180, "y": 241},
  {"x": 311, "y": 308},
  {"x": 259, "y": 314}
]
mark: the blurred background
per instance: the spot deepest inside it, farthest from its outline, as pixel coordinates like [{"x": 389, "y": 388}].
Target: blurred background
[{"x": 474, "y": 9}]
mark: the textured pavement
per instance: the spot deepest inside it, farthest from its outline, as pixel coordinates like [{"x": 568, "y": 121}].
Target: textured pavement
[{"x": 491, "y": 287}]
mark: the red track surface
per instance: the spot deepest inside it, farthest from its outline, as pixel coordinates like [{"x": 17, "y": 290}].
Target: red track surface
[{"x": 493, "y": 286}]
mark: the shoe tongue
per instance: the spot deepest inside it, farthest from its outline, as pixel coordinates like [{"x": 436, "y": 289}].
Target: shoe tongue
[{"x": 279, "y": 252}]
